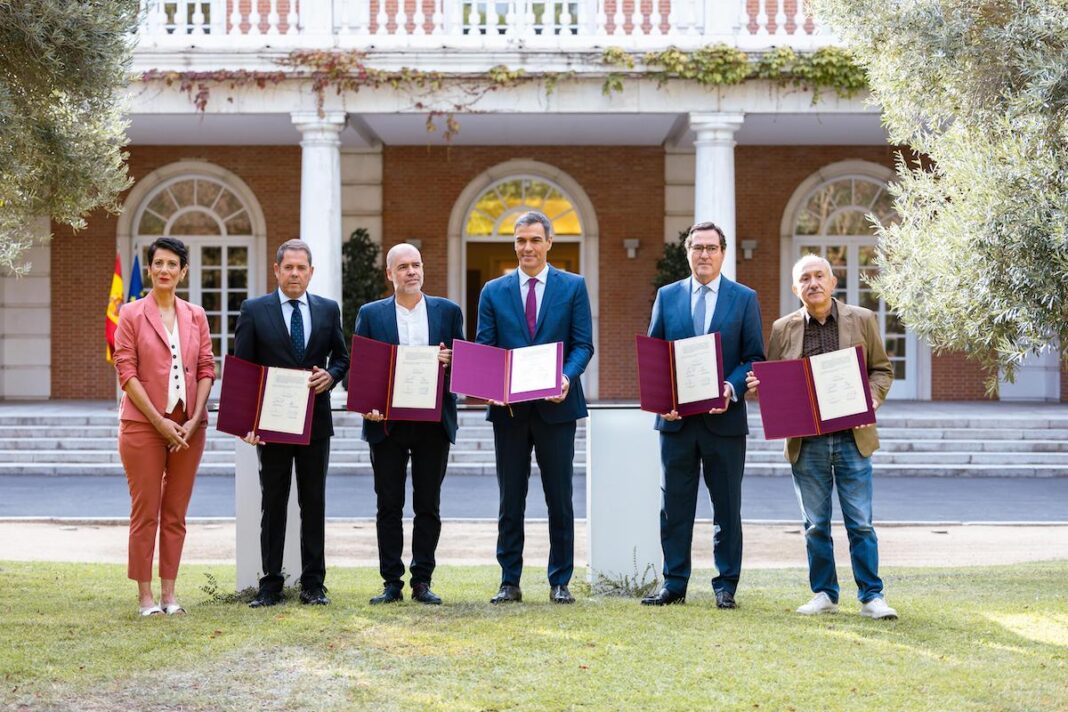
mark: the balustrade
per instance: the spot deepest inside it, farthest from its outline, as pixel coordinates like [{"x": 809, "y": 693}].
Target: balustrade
[{"x": 638, "y": 24}]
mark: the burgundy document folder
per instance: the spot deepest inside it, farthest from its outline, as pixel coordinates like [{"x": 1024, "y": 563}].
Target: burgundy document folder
[
  {"x": 657, "y": 390},
  {"x": 788, "y": 404},
  {"x": 484, "y": 372},
  {"x": 241, "y": 399},
  {"x": 372, "y": 367}
]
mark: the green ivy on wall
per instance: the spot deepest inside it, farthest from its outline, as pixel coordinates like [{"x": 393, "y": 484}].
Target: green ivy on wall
[
  {"x": 721, "y": 65},
  {"x": 710, "y": 66}
]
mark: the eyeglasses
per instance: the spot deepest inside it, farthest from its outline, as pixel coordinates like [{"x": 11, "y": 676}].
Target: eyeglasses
[{"x": 708, "y": 249}]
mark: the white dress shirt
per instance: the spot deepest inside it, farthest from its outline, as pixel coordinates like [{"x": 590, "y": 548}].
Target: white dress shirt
[
  {"x": 539, "y": 288},
  {"x": 305, "y": 313},
  {"x": 710, "y": 298},
  {"x": 176, "y": 377},
  {"x": 413, "y": 325}
]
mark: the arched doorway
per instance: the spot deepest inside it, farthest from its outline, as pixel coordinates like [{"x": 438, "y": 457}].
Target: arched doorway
[
  {"x": 827, "y": 216},
  {"x": 490, "y": 224},
  {"x": 215, "y": 214},
  {"x": 481, "y": 230}
]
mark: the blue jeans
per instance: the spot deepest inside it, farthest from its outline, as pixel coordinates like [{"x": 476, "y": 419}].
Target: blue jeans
[{"x": 824, "y": 462}]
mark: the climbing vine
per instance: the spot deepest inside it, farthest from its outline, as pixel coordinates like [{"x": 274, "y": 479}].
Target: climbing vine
[
  {"x": 721, "y": 65},
  {"x": 343, "y": 72}
]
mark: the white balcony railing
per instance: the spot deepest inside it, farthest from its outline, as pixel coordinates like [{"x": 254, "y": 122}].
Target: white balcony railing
[{"x": 478, "y": 24}]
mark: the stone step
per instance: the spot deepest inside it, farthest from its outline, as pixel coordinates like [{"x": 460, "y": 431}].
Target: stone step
[
  {"x": 881, "y": 458},
  {"x": 474, "y": 457},
  {"x": 752, "y": 470},
  {"x": 208, "y": 469},
  {"x": 216, "y": 442}
]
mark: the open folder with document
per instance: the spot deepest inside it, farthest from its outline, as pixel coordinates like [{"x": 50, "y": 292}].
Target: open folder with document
[
  {"x": 507, "y": 375},
  {"x": 400, "y": 382},
  {"x": 684, "y": 375},
  {"x": 275, "y": 403},
  {"x": 816, "y": 395}
]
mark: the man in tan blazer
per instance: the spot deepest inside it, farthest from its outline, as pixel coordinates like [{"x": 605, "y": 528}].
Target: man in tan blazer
[{"x": 841, "y": 459}]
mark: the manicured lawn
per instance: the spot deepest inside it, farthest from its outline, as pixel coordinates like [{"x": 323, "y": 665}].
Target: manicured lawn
[{"x": 990, "y": 638}]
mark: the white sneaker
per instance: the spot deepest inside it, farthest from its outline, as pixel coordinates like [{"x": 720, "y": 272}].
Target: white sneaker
[
  {"x": 820, "y": 603},
  {"x": 877, "y": 608}
]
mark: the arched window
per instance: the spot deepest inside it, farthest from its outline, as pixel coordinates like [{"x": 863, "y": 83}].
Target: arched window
[
  {"x": 489, "y": 227},
  {"x": 216, "y": 223},
  {"x": 839, "y": 209},
  {"x": 829, "y": 217},
  {"x": 493, "y": 214},
  {"x": 481, "y": 243}
]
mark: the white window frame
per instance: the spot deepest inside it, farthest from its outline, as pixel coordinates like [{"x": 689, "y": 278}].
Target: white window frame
[{"x": 789, "y": 251}]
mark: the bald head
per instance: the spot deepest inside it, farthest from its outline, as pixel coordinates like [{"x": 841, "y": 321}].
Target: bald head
[
  {"x": 402, "y": 250},
  {"x": 404, "y": 268}
]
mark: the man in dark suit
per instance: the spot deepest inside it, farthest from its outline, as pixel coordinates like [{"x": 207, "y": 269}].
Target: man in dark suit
[
  {"x": 704, "y": 303},
  {"x": 290, "y": 328},
  {"x": 537, "y": 304},
  {"x": 410, "y": 318}
]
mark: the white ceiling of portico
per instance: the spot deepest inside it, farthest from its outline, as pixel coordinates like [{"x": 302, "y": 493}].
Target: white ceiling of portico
[{"x": 506, "y": 129}]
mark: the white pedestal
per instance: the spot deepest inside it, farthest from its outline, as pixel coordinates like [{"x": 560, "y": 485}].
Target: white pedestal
[
  {"x": 622, "y": 494},
  {"x": 247, "y": 514}
]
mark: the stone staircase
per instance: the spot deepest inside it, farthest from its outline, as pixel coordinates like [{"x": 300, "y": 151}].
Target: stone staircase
[{"x": 921, "y": 440}]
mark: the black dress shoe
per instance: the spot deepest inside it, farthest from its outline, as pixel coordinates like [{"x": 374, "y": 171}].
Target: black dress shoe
[
  {"x": 390, "y": 594},
  {"x": 560, "y": 594},
  {"x": 725, "y": 599},
  {"x": 508, "y": 594},
  {"x": 663, "y": 597},
  {"x": 314, "y": 596},
  {"x": 264, "y": 599},
  {"x": 421, "y": 592}
]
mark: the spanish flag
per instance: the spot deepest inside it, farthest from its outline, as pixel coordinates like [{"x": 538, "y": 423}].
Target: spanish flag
[{"x": 111, "y": 325}]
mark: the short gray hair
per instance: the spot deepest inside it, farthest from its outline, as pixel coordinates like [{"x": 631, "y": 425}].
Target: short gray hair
[
  {"x": 399, "y": 247},
  {"x": 796, "y": 272},
  {"x": 294, "y": 244},
  {"x": 533, "y": 217}
]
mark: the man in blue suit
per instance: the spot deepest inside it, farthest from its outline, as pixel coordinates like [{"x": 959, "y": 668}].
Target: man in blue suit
[
  {"x": 703, "y": 303},
  {"x": 410, "y": 318},
  {"x": 537, "y": 304}
]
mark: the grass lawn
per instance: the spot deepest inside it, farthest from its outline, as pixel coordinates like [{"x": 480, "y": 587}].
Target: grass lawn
[{"x": 989, "y": 638}]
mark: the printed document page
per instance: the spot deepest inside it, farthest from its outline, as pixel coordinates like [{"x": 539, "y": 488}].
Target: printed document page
[
  {"x": 285, "y": 401},
  {"x": 534, "y": 368},
  {"x": 415, "y": 381},
  {"x": 838, "y": 383},
  {"x": 696, "y": 370}
]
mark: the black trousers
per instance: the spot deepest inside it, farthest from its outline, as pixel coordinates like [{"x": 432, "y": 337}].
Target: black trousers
[
  {"x": 685, "y": 457},
  {"x": 554, "y": 447},
  {"x": 428, "y": 447},
  {"x": 276, "y": 468}
]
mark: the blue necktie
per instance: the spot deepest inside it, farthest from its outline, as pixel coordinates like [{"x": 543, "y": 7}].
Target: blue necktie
[
  {"x": 296, "y": 330},
  {"x": 699, "y": 311}
]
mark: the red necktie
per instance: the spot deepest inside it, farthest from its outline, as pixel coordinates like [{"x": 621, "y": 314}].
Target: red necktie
[{"x": 532, "y": 306}]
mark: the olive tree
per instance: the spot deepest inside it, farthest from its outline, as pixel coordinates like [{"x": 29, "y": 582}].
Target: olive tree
[
  {"x": 979, "y": 259},
  {"x": 62, "y": 132}
]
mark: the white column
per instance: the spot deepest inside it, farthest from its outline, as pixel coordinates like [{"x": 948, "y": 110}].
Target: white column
[
  {"x": 320, "y": 197},
  {"x": 713, "y": 190}
]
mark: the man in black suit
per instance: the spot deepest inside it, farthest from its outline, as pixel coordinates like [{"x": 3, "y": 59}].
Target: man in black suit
[
  {"x": 290, "y": 328},
  {"x": 410, "y": 318}
]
